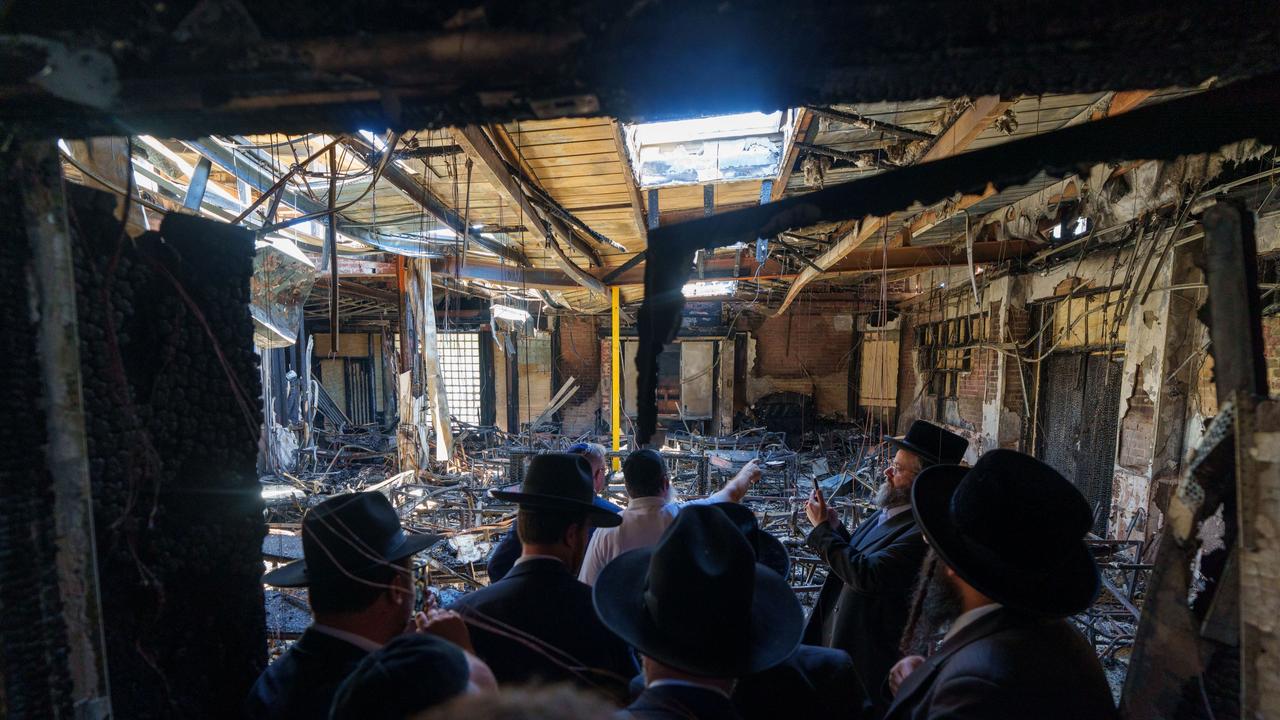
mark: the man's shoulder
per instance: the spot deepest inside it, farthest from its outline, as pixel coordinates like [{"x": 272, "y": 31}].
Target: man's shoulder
[
  {"x": 304, "y": 679},
  {"x": 523, "y": 582},
  {"x": 1004, "y": 652}
]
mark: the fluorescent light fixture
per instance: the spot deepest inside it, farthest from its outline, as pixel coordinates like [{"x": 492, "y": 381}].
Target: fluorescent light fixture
[
  {"x": 714, "y": 288},
  {"x": 507, "y": 312}
]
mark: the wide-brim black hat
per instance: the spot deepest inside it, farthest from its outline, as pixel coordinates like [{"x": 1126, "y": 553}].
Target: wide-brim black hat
[
  {"x": 656, "y": 599},
  {"x": 770, "y": 551},
  {"x": 932, "y": 443},
  {"x": 1013, "y": 528},
  {"x": 349, "y": 535},
  {"x": 560, "y": 482}
]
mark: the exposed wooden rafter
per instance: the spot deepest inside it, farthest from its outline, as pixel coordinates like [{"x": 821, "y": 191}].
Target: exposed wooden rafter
[
  {"x": 629, "y": 175},
  {"x": 493, "y": 169},
  {"x": 803, "y": 119},
  {"x": 954, "y": 140}
]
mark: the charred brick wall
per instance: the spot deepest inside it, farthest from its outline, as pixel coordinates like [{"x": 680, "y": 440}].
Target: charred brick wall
[
  {"x": 579, "y": 357},
  {"x": 33, "y": 675},
  {"x": 807, "y": 350},
  {"x": 171, "y": 400}
]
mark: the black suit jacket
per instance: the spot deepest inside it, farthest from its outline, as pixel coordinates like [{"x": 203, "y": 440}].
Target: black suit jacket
[
  {"x": 508, "y": 550},
  {"x": 540, "y": 598},
  {"x": 864, "y": 603},
  {"x": 820, "y": 681},
  {"x": 680, "y": 702},
  {"x": 1008, "y": 665},
  {"x": 302, "y": 683}
]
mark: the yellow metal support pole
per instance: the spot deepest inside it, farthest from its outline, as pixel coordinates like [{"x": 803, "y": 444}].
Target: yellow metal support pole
[{"x": 615, "y": 369}]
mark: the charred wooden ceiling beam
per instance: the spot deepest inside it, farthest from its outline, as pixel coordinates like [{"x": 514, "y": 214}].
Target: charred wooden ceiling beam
[
  {"x": 333, "y": 70},
  {"x": 962, "y": 131},
  {"x": 532, "y": 278},
  {"x": 495, "y": 171},
  {"x": 869, "y": 123}
]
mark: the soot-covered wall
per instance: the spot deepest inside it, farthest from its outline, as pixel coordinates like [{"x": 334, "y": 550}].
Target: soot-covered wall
[
  {"x": 172, "y": 412},
  {"x": 34, "y": 682}
]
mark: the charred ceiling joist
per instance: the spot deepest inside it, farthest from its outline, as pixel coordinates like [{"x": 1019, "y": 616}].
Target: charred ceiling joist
[{"x": 1194, "y": 124}]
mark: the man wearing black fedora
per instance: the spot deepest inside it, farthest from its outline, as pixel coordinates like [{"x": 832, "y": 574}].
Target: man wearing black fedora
[
  {"x": 537, "y": 623},
  {"x": 1008, "y": 563},
  {"x": 507, "y": 551},
  {"x": 701, "y": 612},
  {"x": 821, "y": 680},
  {"x": 865, "y": 601},
  {"x": 359, "y": 582}
]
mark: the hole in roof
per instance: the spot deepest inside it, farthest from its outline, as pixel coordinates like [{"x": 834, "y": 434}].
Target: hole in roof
[{"x": 699, "y": 151}]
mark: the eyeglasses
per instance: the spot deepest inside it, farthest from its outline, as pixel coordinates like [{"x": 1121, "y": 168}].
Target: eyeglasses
[{"x": 898, "y": 469}]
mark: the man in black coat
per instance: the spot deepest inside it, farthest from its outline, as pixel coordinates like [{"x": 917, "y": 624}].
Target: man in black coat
[
  {"x": 507, "y": 551},
  {"x": 557, "y": 634},
  {"x": 864, "y": 603},
  {"x": 360, "y": 587},
  {"x": 820, "y": 679},
  {"x": 1007, "y": 564},
  {"x": 701, "y": 612}
]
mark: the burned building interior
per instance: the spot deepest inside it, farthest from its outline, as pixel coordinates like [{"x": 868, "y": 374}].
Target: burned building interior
[{"x": 257, "y": 255}]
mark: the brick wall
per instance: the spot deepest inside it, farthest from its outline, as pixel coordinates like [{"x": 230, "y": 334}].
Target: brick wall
[
  {"x": 579, "y": 358},
  {"x": 805, "y": 350}
]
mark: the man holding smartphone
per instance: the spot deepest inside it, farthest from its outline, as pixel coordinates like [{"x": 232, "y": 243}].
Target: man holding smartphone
[{"x": 865, "y": 601}]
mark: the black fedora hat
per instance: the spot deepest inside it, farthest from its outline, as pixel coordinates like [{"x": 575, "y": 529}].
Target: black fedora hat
[
  {"x": 1013, "y": 528},
  {"x": 656, "y": 599},
  {"x": 932, "y": 443},
  {"x": 770, "y": 552},
  {"x": 348, "y": 535},
  {"x": 561, "y": 482}
]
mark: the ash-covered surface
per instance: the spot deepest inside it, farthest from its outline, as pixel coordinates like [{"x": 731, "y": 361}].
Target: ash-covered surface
[
  {"x": 33, "y": 643},
  {"x": 172, "y": 451}
]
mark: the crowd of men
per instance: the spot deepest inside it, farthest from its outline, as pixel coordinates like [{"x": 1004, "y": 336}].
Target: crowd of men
[{"x": 949, "y": 602}]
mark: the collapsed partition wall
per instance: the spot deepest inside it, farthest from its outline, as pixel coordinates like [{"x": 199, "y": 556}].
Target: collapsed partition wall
[{"x": 168, "y": 383}]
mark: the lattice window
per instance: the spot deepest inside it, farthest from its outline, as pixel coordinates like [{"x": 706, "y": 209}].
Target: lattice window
[
  {"x": 946, "y": 349},
  {"x": 460, "y": 364}
]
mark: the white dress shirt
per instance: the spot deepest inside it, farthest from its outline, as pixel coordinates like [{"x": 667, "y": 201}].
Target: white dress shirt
[
  {"x": 969, "y": 618},
  {"x": 643, "y": 522},
  {"x": 888, "y": 514},
  {"x": 689, "y": 683}
]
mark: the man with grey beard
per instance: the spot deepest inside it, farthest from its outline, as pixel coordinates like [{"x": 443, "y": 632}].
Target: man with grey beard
[
  {"x": 1007, "y": 565},
  {"x": 864, "y": 603}
]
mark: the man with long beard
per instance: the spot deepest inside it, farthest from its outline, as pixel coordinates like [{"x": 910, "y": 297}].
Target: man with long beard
[
  {"x": 864, "y": 603},
  {"x": 1007, "y": 563}
]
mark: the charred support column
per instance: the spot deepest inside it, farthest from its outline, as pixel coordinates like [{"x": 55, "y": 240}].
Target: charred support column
[
  {"x": 1179, "y": 649},
  {"x": 431, "y": 365},
  {"x": 45, "y": 214},
  {"x": 1240, "y": 369}
]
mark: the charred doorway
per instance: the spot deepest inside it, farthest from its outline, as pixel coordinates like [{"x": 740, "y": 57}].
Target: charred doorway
[
  {"x": 1078, "y": 395},
  {"x": 1079, "y": 413}
]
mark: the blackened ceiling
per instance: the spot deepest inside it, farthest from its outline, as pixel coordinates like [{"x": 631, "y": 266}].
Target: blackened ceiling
[{"x": 187, "y": 68}]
